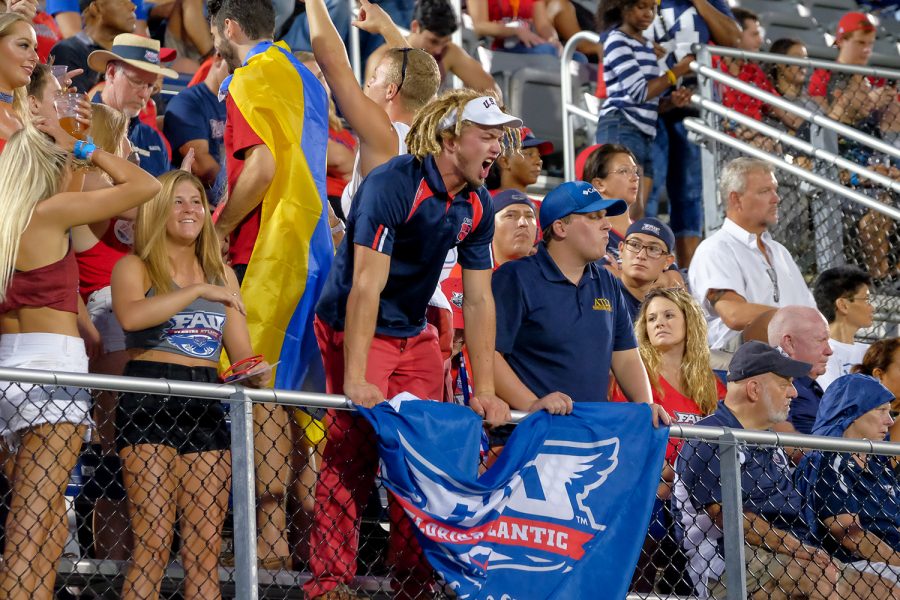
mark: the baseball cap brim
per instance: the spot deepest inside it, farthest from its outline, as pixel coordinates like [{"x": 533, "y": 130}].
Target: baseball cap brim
[
  {"x": 613, "y": 207},
  {"x": 544, "y": 147}
]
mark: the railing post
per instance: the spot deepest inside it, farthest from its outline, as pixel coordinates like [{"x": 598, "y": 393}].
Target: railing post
[
  {"x": 243, "y": 492},
  {"x": 732, "y": 516},
  {"x": 456, "y": 37},
  {"x": 565, "y": 86},
  {"x": 709, "y": 152}
]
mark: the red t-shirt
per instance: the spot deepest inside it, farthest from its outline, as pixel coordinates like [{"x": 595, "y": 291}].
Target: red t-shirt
[
  {"x": 95, "y": 264},
  {"x": 753, "y": 74},
  {"x": 47, "y": 32},
  {"x": 334, "y": 180},
  {"x": 239, "y": 137},
  {"x": 819, "y": 80}
]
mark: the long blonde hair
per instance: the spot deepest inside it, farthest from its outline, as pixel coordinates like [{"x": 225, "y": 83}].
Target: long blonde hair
[
  {"x": 32, "y": 169},
  {"x": 697, "y": 377},
  {"x": 20, "y": 94},
  {"x": 150, "y": 235},
  {"x": 108, "y": 128},
  {"x": 427, "y": 132}
]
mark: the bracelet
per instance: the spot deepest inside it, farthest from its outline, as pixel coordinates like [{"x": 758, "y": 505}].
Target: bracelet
[
  {"x": 83, "y": 150},
  {"x": 673, "y": 80}
]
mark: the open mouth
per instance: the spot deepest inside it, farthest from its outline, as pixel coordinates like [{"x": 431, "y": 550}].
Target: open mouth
[{"x": 486, "y": 167}]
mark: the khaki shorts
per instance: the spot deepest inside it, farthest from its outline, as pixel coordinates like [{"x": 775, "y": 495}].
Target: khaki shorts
[{"x": 763, "y": 567}]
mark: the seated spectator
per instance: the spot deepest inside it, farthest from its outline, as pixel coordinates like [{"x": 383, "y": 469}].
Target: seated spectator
[
  {"x": 646, "y": 253},
  {"x": 882, "y": 361},
  {"x": 47, "y": 33},
  {"x": 520, "y": 27},
  {"x": 613, "y": 171},
  {"x": 634, "y": 81},
  {"x": 790, "y": 80},
  {"x": 515, "y": 226},
  {"x": 562, "y": 323},
  {"x": 175, "y": 450},
  {"x": 131, "y": 69},
  {"x": 777, "y": 557},
  {"x": 570, "y": 17},
  {"x": 851, "y": 498},
  {"x": 195, "y": 120},
  {"x": 186, "y": 31},
  {"x": 801, "y": 333},
  {"x": 518, "y": 169},
  {"x": 432, "y": 26},
  {"x": 740, "y": 274},
  {"x": 70, "y": 13},
  {"x": 854, "y": 38},
  {"x": 844, "y": 297},
  {"x": 13, "y": 78},
  {"x": 671, "y": 335},
  {"x": 44, "y": 425}
]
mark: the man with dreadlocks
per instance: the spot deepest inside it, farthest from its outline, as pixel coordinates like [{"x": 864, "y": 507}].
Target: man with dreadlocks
[{"x": 371, "y": 327}]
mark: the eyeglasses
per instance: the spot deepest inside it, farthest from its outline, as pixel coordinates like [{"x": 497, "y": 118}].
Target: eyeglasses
[
  {"x": 864, "y": 299},
  {"x": 635, "y": 172},
  {"x": 773, "y": 276},
  {"x": 635, "y": 248},
  {"x": 137, "y": 83},
  {"x": 403, "y": 65}
]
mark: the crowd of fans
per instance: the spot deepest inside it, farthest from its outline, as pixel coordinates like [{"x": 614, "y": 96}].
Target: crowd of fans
[{"x": 449, "y": 282}]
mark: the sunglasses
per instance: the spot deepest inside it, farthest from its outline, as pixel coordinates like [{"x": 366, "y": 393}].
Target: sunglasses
[{"x": 403, "y": 66}]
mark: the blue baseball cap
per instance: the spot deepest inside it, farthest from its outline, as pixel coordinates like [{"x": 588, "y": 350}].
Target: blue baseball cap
[
  {"x": 508, "y": 197},
  {"x": 654, "y": 227},
  {"x": 577, "y": 197},
  {"x": 755, "y": 358}
]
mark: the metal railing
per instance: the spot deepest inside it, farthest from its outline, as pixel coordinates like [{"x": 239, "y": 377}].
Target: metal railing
[{"x": 569, "y": 109}]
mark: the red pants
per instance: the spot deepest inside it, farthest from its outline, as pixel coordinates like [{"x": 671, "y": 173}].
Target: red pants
[{"x": 350, "y": 461}]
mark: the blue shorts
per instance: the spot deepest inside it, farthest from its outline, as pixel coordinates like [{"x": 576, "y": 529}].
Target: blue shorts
[
  {"x": 677, "y": 164},
  {"x": 615, "y": 128}
]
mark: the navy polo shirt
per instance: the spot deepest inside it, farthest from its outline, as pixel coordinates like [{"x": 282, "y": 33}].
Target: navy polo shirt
[
  {"x": 766, "y": 477},
  {"x": 150, "y": 147},
  {"x": 402, "y": 209},
  {"x": 632, "y": 304},
  {"x": 557, "y": 336},
  {"x": 804, "y": 407}
]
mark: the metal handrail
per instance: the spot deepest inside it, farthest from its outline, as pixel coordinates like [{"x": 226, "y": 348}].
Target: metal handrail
[
  {"x": 790, "y": 107},
  {"x": 568, "y": 108},
  {"x": 800, "y": 62},
  {"x": 308, "y": 399},
  {"x": 698, "y": 126}
]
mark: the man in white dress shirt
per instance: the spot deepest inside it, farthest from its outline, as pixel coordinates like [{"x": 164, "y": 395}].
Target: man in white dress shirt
[{"x": 740, "y": 275}]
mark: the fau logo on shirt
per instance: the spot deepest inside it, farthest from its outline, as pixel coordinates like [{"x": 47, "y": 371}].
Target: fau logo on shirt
[
  {"x": 564, "y": 509},
  {"x": 464, "y": 229},
  {"x": 197, "y": 334}
]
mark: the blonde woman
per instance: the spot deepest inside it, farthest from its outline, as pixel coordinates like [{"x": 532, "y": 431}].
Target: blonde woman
[
  {"x": 44, "y": 426},
  {"x": 18, "y": 57},
  {"x": 178, "y": 304}
]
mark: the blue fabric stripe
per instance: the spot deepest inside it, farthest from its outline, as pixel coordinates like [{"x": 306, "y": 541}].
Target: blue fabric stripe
[{"x": 628, "y": 65}]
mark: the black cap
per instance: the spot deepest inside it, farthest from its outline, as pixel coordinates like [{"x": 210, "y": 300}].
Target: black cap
[{"x": 756, "y": 358}]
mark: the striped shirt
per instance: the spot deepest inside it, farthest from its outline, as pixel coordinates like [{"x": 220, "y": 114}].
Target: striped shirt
[{"x": 628, "y": 64}]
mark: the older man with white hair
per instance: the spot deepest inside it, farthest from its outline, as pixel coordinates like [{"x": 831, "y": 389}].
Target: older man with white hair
[{"x": 740, "y": 273}]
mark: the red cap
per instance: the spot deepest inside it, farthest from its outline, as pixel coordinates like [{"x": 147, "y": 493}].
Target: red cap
[
  {"x": 167, "y": 54},
  {"x": 853, "y": 21},
  {"x": 453, "y": 289},
  {"x": 582, "y": 158}
]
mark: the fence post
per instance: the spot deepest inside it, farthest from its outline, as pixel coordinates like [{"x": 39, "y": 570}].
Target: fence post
[
  {"x": 709, "y": 151},
  {"x": 732, "y": 516},
  {"x": 243, "y": 497}
]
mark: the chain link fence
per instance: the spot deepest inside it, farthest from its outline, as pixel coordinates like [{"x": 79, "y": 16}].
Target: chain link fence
[
  {"x": 183, "y": 521},
  {"x": 820, "y": 227}
]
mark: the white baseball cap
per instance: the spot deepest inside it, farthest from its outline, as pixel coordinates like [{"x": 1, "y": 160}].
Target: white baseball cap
[{"x": 482, "y": 111}]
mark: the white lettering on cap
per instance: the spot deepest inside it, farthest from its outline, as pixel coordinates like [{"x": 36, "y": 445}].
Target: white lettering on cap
[{"x": 651, "y": 228}]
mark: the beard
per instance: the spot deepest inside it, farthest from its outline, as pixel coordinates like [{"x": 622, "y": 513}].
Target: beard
[{"x": 229, "y": 54}]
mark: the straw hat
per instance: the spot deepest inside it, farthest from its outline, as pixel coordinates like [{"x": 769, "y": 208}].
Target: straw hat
[{"x": 139, "y": 52}]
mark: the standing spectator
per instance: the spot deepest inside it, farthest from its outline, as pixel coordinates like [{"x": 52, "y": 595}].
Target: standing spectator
[
  {"x": 175, "y": 450},
  {"x": 646, "y": 254},
  {"x": 131, "y": 69},
  {"x": 854, "y": 38},
  {"x": 882, "y": 361},
  {"x": 18, "y": 57},
  {"x": 633, "y": 81},
  {"x": 801, "y": 332},
  {"x": 851, "y": 498},
  {"x": 522, "y": 27},
  {"x": 676, "y": 160},
  {"x": 195, "y": 120},
  {"x": 777, "y": 556},
  {"x": 844, "y": 297},
  {"x": 562, "y": 324},
  {"x": 45, "y": 426},
  {"x": 103, "y": 21},
  {"x": 740, "y": 274},
  {"x": 275, "y": 147},
  {"x": 431, "y": 30},
  {"x": 370, "y": 321}
]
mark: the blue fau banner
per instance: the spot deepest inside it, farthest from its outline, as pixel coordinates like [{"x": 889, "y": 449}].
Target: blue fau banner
[{"x": 563, "y": 512}]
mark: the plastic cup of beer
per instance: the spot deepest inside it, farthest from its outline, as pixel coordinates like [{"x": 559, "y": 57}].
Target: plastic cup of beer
[
  {"x": 59, "y": 74},
  {"x": 67, "y": 111}
]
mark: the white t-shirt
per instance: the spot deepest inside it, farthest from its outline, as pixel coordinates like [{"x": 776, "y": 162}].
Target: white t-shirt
[
  {"x": 356, "y": 178},
  {"x": 843, "y": 357},
  {"x": 731, "y": 260}
]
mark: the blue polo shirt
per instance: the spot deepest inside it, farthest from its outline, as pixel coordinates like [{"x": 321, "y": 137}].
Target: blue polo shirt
[
  {"x": 842, "y": 486},
  {"x": 766, "y": 477},
  {"x": 804, "y": 407},
  {"x": 632, "y": 304},
  {"x": 558, "y": 336},
  {"x": 402, "y": 209},
  {"x": 150, "y": 147}
]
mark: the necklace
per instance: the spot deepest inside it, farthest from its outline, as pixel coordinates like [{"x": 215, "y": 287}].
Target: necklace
[{"x": 6, "y": 98}]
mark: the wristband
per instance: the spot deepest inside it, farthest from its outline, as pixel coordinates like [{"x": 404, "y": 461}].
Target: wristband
[
  {"x": 83, "y": 150},
  {"x": 673, "y": 80}
]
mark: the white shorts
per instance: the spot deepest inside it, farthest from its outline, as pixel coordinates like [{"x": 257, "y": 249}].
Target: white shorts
[
  {"x": 99, "y": 306},
  {"x": 24, "y": 405}
]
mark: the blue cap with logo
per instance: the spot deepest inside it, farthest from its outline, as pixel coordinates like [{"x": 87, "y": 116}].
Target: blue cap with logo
[
  {"x": 508, "y": 197},
  {"x": 577, "y": 197},
  {"x": 654, "y": 227},
  {"x": 755, "y": 358}
]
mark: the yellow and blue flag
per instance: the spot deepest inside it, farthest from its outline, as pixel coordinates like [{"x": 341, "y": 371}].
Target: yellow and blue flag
[{"x": 287, "y": 107}]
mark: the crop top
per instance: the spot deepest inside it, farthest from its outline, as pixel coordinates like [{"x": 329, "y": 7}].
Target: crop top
[
  {"x": 51, "y": 286},
  {"x": 195, "y": 332}
]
